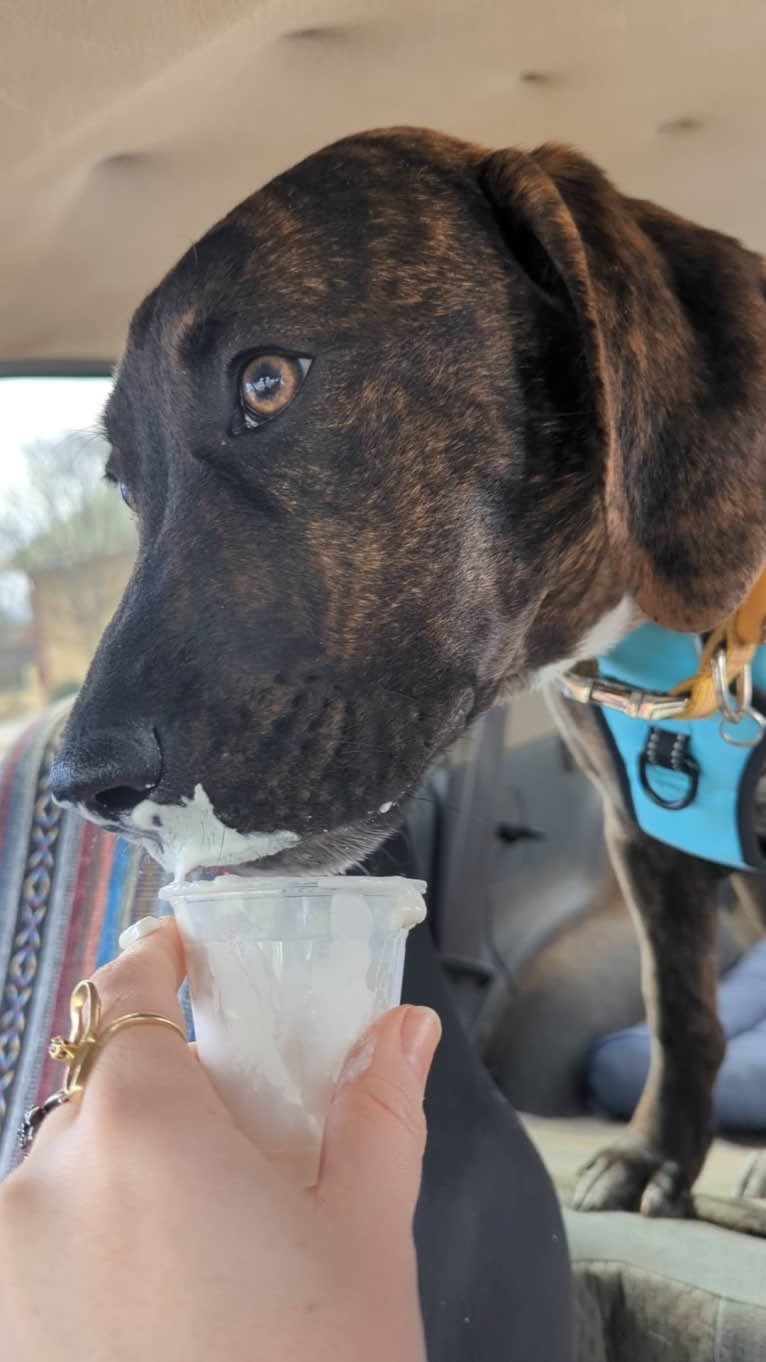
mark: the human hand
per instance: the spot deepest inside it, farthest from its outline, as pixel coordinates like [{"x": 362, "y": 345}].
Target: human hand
[{"x": 144, "y": 1224}]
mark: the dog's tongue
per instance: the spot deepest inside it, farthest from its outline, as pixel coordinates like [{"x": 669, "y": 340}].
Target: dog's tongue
[
  {"x": 211, "y": 872},
  {"x": 202, "y": 872}
]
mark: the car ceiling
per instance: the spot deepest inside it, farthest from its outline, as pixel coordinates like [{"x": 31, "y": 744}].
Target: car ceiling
[{"x": 127, "y": 129}]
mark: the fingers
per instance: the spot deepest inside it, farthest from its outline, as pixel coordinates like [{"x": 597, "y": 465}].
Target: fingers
[
  {"x": 142, "y": 1068},
  {"x": 146, "y": 977},
  {"x": 375, "y": 1136}
]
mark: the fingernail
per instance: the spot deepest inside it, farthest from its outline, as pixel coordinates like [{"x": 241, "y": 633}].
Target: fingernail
[
  {"x": 420, "y": 1035},
  {"x": 138, "y": 930}
]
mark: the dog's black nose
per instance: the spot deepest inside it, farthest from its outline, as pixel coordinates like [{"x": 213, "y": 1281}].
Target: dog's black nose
[{"x": 109, "y": 771}]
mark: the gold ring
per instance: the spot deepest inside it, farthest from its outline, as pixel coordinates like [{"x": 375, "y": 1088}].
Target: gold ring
[
  {"x": 86, "y": 1038},
  {"x": 85, "y": 1041}
]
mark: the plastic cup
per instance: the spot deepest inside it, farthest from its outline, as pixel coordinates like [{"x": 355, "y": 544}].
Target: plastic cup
[{"x": 285, "y": 975}]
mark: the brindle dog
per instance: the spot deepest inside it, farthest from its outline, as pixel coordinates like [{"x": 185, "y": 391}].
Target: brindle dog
[{"x": 414, "y": 425}]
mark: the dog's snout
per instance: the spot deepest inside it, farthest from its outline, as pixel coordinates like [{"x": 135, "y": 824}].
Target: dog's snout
[{"x": 109, "y": 771}]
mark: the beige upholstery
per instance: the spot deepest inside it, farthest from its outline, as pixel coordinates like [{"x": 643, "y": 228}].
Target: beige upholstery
[
  {"x": 126, "y": 129},
  {"x": 645, "y": 1293},
  {"x": 659, "y": 1290}
]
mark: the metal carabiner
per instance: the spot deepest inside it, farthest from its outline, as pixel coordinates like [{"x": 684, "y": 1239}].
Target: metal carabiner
[{"x": 742, "y": 709}]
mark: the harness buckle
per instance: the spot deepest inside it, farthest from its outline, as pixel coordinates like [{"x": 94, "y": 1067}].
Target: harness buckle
[{"x": 634, "y": 704}]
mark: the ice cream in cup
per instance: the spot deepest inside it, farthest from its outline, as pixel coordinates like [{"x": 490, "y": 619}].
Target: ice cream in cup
[{"x": 285, "y": 975}]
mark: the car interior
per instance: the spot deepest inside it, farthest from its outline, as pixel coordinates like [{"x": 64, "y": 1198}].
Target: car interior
[{"x": 125, "y": 132}]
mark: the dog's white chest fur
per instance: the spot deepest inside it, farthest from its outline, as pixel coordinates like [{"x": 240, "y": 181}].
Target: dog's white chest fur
[{"x": 605, "y": 635}]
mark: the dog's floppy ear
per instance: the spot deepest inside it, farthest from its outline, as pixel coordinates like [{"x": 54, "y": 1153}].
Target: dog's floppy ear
[{"x": 670, "y": 320}]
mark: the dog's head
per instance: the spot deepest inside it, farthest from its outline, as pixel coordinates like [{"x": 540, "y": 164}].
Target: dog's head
[{"x": 409, "y": 426}]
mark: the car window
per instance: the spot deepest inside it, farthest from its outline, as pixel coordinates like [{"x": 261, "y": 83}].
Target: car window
[{"x": 67, "y": 541}]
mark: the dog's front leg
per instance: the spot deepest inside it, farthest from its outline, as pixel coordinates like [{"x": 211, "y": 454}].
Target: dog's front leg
[{"x": 673, "y": 898}]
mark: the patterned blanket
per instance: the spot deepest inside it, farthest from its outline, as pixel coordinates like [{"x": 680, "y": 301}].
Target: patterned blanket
[{"x": 67, "y": 890}]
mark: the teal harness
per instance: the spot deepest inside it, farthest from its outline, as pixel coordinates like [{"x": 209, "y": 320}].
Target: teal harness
[{"x": 685, "y": 782}]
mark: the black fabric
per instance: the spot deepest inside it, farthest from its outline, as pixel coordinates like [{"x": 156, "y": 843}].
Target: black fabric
[
  {"x": 750, "y": 835},
  {"x": 494, "y": 1267}
]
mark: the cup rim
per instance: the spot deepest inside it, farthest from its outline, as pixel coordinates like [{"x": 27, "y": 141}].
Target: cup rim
[{"x": 289, "y": 886}]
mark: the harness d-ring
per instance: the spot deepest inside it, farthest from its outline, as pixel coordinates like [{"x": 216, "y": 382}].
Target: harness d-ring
[{"x": 665, "y": 751}]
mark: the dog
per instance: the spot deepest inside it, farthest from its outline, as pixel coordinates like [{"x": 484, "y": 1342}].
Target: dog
[{"x": 417, "y": 425}]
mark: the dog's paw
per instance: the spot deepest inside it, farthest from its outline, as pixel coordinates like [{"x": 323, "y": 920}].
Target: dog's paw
[
  {"x": 631, "y": 1177},
  {"x": 753, "y": 1180}
]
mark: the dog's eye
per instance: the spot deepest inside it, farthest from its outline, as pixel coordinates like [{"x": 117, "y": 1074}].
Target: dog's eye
[
  {"x": 269, "y": 383},
  {"x": 125, "y": 494}
]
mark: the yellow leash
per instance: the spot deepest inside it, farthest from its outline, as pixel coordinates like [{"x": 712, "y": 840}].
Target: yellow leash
[{"x": 726, "y": 659}]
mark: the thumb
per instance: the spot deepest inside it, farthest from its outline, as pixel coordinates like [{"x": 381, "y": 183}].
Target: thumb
[{"x": 376, "y": 1129}]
